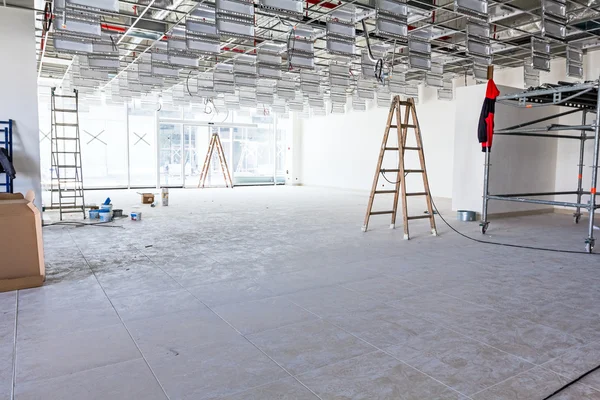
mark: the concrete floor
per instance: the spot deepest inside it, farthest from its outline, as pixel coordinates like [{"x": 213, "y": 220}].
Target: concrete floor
[{"x": 275, "y": 293}]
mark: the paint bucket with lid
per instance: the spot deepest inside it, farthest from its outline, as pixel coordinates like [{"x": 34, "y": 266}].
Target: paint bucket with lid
[
  {"x": 136, "y": 216},
  {"x": 105, "y": 215}
]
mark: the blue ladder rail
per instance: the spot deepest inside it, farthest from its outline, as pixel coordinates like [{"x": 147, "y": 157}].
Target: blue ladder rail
[{"x": 7, "y": 143}]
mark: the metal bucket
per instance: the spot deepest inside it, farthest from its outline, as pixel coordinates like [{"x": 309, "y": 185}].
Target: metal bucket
[{"x": 466, "y": 216}]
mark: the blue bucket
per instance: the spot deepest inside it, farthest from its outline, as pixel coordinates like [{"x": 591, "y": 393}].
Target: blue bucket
[{"x": 94, "y": 214}]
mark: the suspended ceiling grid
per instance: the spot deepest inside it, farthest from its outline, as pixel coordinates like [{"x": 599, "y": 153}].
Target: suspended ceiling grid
[{"x": 139, "y": 26}]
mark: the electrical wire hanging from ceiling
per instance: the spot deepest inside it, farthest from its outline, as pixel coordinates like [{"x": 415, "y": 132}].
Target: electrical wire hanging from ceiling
[{"x": 379, "y": 63}]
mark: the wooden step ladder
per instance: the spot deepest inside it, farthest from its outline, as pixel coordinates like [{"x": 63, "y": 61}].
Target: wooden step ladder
[
  {"x": 215, "y": 142},
  {"x": 402, "y": 126}
]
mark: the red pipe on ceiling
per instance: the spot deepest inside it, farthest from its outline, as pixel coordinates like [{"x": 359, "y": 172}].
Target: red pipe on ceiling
[{"x": 325, "y": 5}]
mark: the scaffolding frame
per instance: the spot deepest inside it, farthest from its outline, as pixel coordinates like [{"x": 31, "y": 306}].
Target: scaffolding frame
[{"x": 584, "y": 98}]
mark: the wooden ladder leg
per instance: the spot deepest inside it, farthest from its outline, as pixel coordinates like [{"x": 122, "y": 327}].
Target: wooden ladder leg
[
  {"x": 401, "y": 143},
  {"x": 226, "y": 166},
  {"x": 221, "y": 154},
  {"x": 379, "y": 164},
  {"x": 424, "y": 174},
  {"x": 205, "y": 169}
]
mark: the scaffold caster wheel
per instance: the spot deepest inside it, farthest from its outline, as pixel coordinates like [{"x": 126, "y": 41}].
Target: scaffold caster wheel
[
  {"x": 483, "y": 227},
  {"x": 577, "y": 218},
  {"x": 589, "y": 246}
]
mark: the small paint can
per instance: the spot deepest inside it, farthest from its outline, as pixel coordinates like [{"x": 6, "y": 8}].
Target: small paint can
[
  {"x": 94, "y": 214},
  {"x": 136, "y": 216},
  {"x": 117, "y": 213},
  {"x": 165, "y": 197}
]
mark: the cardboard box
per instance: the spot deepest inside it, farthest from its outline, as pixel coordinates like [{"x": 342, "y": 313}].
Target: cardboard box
[
  {"x": 21, "y": 245},
  {"x": 147, "y": 198}
]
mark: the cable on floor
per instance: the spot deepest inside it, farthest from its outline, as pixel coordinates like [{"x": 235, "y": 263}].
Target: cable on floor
[
  {"x": 557, "y": 391},
  {"x": 80, "y": 224},
  {"x": 518, "y": 246}
]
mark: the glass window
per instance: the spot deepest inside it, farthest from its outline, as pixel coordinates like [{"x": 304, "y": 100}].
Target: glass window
[
  {"x": 142, "y": 148},
  {"x": 103, "y": 135}
]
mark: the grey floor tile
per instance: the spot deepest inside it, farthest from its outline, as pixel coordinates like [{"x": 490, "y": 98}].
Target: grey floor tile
[
  {"x": 536, "y": 383},
  {"x": 123, "y": 381},
  {"x": 63, "y": 294},
  {"x": 137, "y": 280},
  {"x": 8, "y": 301},
  {"x": 578, "y": 361},
  {"x": 385, "y": 288},
  {"x": 261, "y": 315},
  {"x": 332, "y": 300},
  {"x": 536, "y": 343},
  {"x": 156, "y": 304},
  {"x": 66, "y": 353},
  {"x": 285, "y": 389},
  {"x": 33, "y": 323},
  {"x": 309, "y": 345},
  {"x": 583, "y": 324},
  {"x": 178, "y": 332},
  {"x": 383, "y": 326},
  {"x": 215, "y": 371},
  {"x": 459, "y": 362},
  {"x": 374, "y": 376},
  {"x": 228, "y": 292}
]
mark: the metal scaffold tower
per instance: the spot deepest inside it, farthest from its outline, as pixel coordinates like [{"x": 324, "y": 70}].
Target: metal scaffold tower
[
  {"x": 67, "y": 175},
  {"x": 6, "y": 143},
  {"x": 583, "y": 98}
]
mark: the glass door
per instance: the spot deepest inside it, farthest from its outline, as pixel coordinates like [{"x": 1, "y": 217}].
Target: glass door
[
  {"x": 196, "y": 139},
  {"x": 170, "y": 154}
]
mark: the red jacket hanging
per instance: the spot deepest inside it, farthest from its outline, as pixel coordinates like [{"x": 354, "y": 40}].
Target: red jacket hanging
[{"x": 485, "y": 131}]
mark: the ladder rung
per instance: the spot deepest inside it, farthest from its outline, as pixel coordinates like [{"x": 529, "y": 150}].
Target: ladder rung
[
  {"x": 65, "y": 124},
  {"x": 70, "y": 210},
  {"x": 408, "y": 126},
  {"x": 412, "y": 148},
  {"x": 393, "y": 126},
  {"x": 389, "y": 170},
  {"x": 417, "y": 194},
  {"x": 64, "y": 96},
  {"x": 391, "y": 148},
  {"x": 68, "y": 166},
  {"x": 65, "y": 110},
  {"x": 381, "y": 212},
  {"x": 413, "y": 171},
  {"x": 66, "y": 152},
  {"x": 65, "y": 138},
  {"x": 419, "y": 217},
  {"x": 384, "y": 191}
]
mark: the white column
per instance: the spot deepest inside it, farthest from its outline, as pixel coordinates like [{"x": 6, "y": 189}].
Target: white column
[{"x": 18, "y": 96}]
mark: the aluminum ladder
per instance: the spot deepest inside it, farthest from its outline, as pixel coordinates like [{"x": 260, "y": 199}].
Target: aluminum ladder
[
  {"x": 67, "y": 175},
  {"x": 402, "y": 127}
]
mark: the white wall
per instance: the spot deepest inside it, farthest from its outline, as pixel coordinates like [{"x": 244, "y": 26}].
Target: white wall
[
  {"x": 519, "y": 165},
  {"x": 341, "y": 150},
  {"x": 18, "y": 80}
]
